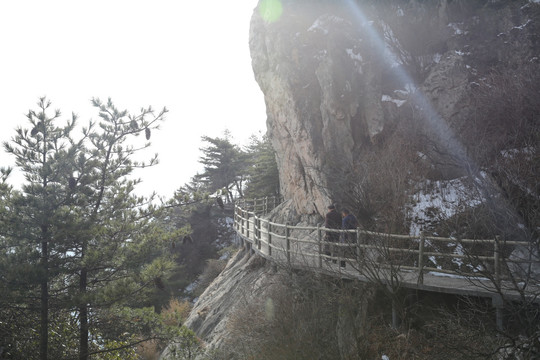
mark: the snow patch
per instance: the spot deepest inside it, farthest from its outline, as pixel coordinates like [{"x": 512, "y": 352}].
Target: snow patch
[
  {"x": 521, "y": 27},
  {"x": 402, "y": 93},
  {"x": 439, "y": 200},
  {"x": 457, "y": 28},
  {"x": 454, "y": 276},
  {"x": 458, "y": 251},
  {"x": 395, "y": 101},
  {"x": 189, "y": 289},
  {"x": 513, "y": 153},
  {"x": 354, "y": 56},
  {"x": 357, "y": 58},
  {"x": 322, "y": 23},
  {"x": 410, "y": 87},
  {"x": 317, "y": 25}
]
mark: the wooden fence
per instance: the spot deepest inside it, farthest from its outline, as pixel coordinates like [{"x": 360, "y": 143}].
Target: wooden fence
[{"x": 370, "y": 252}]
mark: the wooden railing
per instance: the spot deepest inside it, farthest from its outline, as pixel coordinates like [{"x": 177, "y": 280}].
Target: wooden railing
[{"x": 370, "y": 254}]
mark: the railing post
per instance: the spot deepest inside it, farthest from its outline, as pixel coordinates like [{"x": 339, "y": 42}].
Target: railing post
[
  {"x": 319, "y": 241},
  {"x": 497, "y": 261},
  {"x": 242, "y": 221},
  {"x": 358, "y": 247},
  {"x": 247, "y": 224},
  {"x": 497, "y": 299},
  {"x": 259, "y": 240},
  {"x": 254, "y": 206},
  {"x": 269, "y": 239},
  {"x": 395, "y": 317},
  {"x": 288, "y": 241},
  {"x": 421, "y": 258}
]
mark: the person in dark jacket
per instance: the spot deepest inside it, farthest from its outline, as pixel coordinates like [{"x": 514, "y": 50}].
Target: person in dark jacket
[
  {"x": 332, "y": 221},
  {"x": 349, "y": 222}
]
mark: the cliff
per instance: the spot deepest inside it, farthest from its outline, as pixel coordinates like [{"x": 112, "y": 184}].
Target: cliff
[
  {"x": 367, "y": 99},
  {"x": 341, "y": 78}
]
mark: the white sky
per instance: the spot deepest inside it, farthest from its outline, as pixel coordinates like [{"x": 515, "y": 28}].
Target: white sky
[{"x": 190, "y": 56}]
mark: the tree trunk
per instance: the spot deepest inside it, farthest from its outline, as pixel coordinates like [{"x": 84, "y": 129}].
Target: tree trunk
[
  {"x": 239, "y": 188},
  {"x": 44, "y": 329},
  {"x": 83, "y": 317}
]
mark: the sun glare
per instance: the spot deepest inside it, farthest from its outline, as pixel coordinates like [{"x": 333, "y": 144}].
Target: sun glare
[{"x": 270, "y": 10}]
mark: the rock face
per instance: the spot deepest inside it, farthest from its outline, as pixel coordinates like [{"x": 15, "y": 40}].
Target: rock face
[
  {"x": 338, "y": 77},
  {"x": 243, "y": 275},
  {"x": 244, "y": 279}
]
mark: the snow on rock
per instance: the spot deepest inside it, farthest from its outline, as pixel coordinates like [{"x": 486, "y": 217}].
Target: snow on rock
[
  {"x": 457, "y": 29},
  {"x": 521, "y": 27},
  {"x": 354, "y": 56},
  {"x": 458, "y": 251},
  {"x": 357, "y": 58},
  {"x": 514, "y": 153},
  {"x": 324, "y": 22},
  {"x": 437, "y": 200},
  {"x": 395, "y": 101}
]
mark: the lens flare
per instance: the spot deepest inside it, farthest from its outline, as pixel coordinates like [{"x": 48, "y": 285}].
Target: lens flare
[
  {"x": 270, "y": 10},
  {"x": 444, "y": 134}
]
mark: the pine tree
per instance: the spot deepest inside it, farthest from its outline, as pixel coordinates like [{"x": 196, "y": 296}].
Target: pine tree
[
  {"x": 224, "y": 166},
  {"x": 82, "y": 241},
  {"x": 36, "y": 251},
  {"x": 263, "y": 174}
]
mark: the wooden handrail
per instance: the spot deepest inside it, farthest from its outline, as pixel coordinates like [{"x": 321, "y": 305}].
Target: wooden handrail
[{"x": 265, "y": 234}]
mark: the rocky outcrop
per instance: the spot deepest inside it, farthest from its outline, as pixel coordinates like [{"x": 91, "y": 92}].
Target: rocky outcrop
[
  {"x": 339, "y": 79},
  {"x": 244, "y": 279},
  {"x": 339, "y": 76}
]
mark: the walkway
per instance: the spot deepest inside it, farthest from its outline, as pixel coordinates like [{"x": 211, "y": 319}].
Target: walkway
[{"x": 471, "y": 267}]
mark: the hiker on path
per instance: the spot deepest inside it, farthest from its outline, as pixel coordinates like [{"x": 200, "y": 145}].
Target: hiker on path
[
  {"x": 349, "y": 222},
  {"x": 332, "y": 221}
]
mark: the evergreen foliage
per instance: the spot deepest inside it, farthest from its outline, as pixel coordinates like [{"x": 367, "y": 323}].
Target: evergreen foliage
[
  {"x": 86, "y": 266},
  {"x": 224, "y": 166},
  {"x": 80, "y": 252},
  {"x": 263, "y": 171}
]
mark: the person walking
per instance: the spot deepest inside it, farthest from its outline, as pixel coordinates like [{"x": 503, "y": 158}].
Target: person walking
[
  {"x": 332, "y": 221},
  {"x": 348, "y": 222}
]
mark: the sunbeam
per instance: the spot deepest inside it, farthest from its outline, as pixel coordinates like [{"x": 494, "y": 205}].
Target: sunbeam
[{"x": 445, "y": 135}]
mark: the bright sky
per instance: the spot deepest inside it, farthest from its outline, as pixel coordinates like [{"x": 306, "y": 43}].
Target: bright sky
[{"x": 189, "y": 56}]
